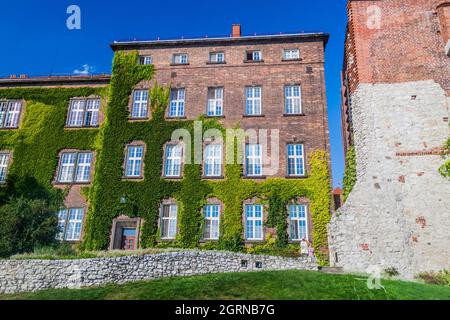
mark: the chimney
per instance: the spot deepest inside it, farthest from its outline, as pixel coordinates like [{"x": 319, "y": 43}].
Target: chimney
[{"x": 236, "y": 31}]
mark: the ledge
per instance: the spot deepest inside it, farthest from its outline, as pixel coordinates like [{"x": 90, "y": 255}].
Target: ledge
[
  {"x": 213, "y": 63},
  {"x": 212, "y": 178},
  {"x": 294, "y": 114},
  {"x": 253, "y": 116},
  {"x": 296, "y": 177},
  {"x": 254, "y": 177},
  {"x": 253, "y": 61},
  {"x": 289, "y": 60},
  {"x": 178, "y": 64}
]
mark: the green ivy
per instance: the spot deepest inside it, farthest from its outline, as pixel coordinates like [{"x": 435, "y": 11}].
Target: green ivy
[
  {"x": 37, "y": 142},
  {"x": 444, "y": 170},
  {"x": 350, "y": 171}
]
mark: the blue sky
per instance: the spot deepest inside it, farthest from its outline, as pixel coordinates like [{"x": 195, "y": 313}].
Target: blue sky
[{"x": 36, "y": 40}]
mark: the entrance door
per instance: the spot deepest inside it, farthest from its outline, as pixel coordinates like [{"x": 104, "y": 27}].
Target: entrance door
[{"x": 128, "y": 239}]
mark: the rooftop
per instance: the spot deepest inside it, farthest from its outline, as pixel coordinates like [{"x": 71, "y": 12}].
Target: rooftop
[{"x": 62, "y": 79}]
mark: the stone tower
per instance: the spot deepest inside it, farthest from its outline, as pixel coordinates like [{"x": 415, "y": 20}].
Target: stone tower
[{"x": 395, "y": 109}]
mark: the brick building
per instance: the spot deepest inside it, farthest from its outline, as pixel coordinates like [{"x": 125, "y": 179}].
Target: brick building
[
  {"x": 256, "y": 82},
  {"x": 395, "y": 109}
]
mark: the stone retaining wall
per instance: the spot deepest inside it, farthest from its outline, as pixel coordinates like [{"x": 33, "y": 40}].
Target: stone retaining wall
[{"x": 33, "y": 275}]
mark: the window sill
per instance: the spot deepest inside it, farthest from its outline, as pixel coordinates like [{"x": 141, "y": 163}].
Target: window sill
[
  {"x": 213, "y": 177},
  {"x": 173, "y": 178},
  {"x": 212, "y": 62},
  {"x": 215, "y": 117},
  {"x": 179, "y": 64},
  {"x": 166, "y": 239},
  {"x": 293, "y": 114},
  {"x": 289, "y": 60},
  {"x": 132, "y": 178},
  {"x": 296, "y": 177},
  {"x": 253, "y": 116},
  {"x": 253, "y": 241},
  {"x": 254, "y": 177},
  {"x": 57, "y": 183},
  {"x": 176, "y": 118},
  {"x": 138, "y": 119},
  {"x": 253, "y": 61},
  {"x": 81, "y": 127},
  {"x": 208, "y": 240},
  {"x": 9, "y": 128}
]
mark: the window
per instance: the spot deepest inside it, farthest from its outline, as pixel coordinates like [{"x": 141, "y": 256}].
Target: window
[
  {"x": 216, "y": 57},
  {"x": 144, "y": 60},
  {"x": 75, "y": 167},
  {"x": 215, "y": 102},
  {"x": 253, "y": 101},
  {"x": 140, "y": 101},
  {"x": 213, "y": 160},
  {"x": 69, "y": 224},
  {"x": 253, "y": 160},
  {"x": 10, "y": 114},
  {"x": 133, "y": 166},
  {"x": 180, "y": 58},
  {"x": 298, "y": 229},
  {"x": 254, "y": 55},
  {"x": 169, "y": 221},
  {"x": 173, "y": 161},
  {"x": 296, "y": 164},
  {"x": 212, "y": 220},
  {"x": 4, "y": 162},
  {"x": 293, "y": 100},
  {"x": 291, "y": 54},
  {"x": 83, "y": 113},
  {"x": 176, "y": 103},
  {"x": 254, "y": 222}
]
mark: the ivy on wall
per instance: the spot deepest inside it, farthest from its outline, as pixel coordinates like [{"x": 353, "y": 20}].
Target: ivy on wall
[
  {"x": 42, "y": 135},
  {"x": 444, "y": 170},
  {"x": 350, "y": 171}
]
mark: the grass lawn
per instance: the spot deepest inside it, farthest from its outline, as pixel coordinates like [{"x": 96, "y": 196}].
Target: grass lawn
[{"x": 253, "y": 285}]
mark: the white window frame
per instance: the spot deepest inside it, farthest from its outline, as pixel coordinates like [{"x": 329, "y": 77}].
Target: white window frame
[
  {"x": 134, "y": 162},
  {"x": 171, "y": 220},
  {"x": 10, "y": 112},
  {"x": 177, "y": 102},
  {"x": 180, "y": 58},
  {"x": 217, "y": 57},
  {"x": 291, "y": 54},
  {"x": 211, "y": 213},
  {"x": 213, "y": 155},
  {"x": 79, "y": 111},
  {"x": 70, "y": 228},
  {"x": 297, "y": 157},
  {"x": 298, "y": 213},
  {"x": 293, "y": 99},
  {"x": 253, "y": 101},
  {"x": 253, "y": 160},
  {"x": 256, "y": 55},
  {"x": 139, "y": 108},
  {"x": 145, "y": 60},
  {"x": 173, "y": 160},
  {"x": 215, "y": 102},
  {"x": 251, "y": 220},
  {"x": 74, "y": 169},
  {"x": 4, "y": 165}
]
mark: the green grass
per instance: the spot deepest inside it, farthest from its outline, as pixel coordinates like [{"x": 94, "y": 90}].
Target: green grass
[{"x": 254, "y": 285}]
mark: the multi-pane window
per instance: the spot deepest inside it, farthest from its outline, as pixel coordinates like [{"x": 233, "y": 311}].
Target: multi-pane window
[
  {"x": 253, "y": 101},
  {"x": 212, "y": 221},
  {"x": 176, "y": 108},
  {"x": 139, "y": 109},
  {"x": 169, "y": 221},
  {"x": 180, "y": 58},
  {"x": 69, "y": 224},
  {"x": 213, "y": 160},
  {"x": 254, "y": 55},
  {"x": 75, "y": 167},
  {"x": 253, "y": 160},
  {"x": 298, "y": 225},
  {"x": 173, "y": 161},
  {"x": 10, "y": 114},
  {"x": 295, "y": 163},
  {"x": 83, "y": 113},
  {"x": 216, "y": 57},
  {"x": 291, "y": 54},
  {"x": 293, "y": 99},
  {"x": 4, "y": 162},
  {"x": 215, "y": 102},
  {"x": 133, "y": 166},
  {"x": 253, "y": 222},
  {"x": 145, "y": 60}
]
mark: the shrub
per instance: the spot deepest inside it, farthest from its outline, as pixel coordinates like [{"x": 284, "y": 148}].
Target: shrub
[
  {"x": 391, "y": 272},
  {"x": 441, "y": 277},
  {"x": 26, "y": 224}
]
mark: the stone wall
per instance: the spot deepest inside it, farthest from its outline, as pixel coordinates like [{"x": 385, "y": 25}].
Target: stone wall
[
  {"x": 34, "y": 275},
  {"x": 398, "y": 214}
]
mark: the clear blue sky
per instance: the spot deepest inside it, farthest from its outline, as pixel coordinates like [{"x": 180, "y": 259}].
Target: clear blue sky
[{"x": 36, "y": 40}]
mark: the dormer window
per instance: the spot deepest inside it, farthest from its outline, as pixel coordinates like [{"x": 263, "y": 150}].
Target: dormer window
[
  {"x": 254, "y": 55},
  {"x": 180, "y": 58},
  {"x": 216, "y": 57},
  {"x": 145, "y": 60}
]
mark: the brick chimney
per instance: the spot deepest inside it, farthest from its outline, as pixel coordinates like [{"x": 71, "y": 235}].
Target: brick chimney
[{"x": 236, "y": 31}]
